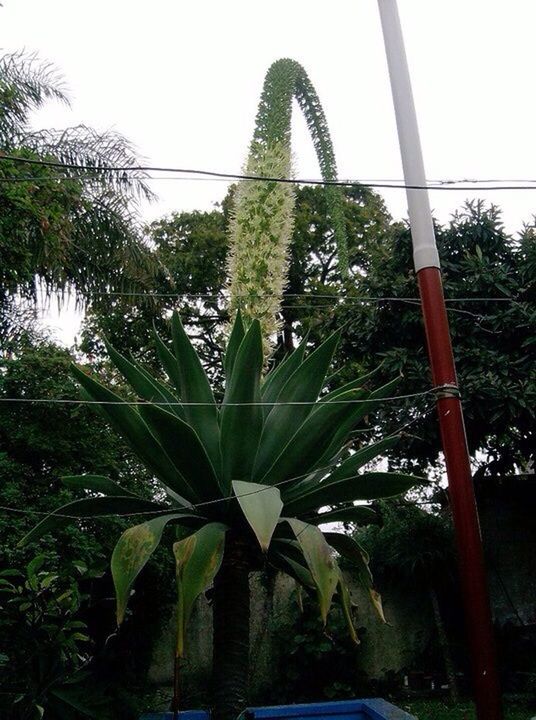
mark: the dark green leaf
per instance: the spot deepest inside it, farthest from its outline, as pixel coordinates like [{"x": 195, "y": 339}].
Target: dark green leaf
[
  {"x": 89, "y": 508},
  {"x": 195, "y": 388},
  {"x": 241, "y": 425},
  {"x": 129, "y": 424},
  {"x": 278, "y": 376},
  {"x": 186, "y": 451},
  {"x": 368, "y": 486},
  {"x": 96, "y": 483},
  {"x": 357, "y": 514},
  {"x": 235, "y": 339},
  {"x": 283, "y": 420},
  {"x": 307, "y": 445}
]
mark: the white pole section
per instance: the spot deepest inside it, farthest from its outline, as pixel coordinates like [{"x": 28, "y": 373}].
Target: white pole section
[{"x": 420, "y": 216}]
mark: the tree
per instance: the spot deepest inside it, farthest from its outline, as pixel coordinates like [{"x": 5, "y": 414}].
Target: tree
[
  {"x": 63, "y": 228},
  {"x": 245, "y": 478},
  {"x": 492, "y": 339},
  {"x": 38, "y": 443},
  {"x": 192, "y": 247}
]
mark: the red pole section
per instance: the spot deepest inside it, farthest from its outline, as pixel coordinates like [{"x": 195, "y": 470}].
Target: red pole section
[
  {"x": 426, "y": 260},
  {"x": 464, "y": 511}
]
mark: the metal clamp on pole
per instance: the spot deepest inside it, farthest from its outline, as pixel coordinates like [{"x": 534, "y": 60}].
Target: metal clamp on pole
[{"x": 447, "y": 390}]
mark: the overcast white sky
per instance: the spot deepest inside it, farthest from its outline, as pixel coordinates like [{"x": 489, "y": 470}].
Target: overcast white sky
[{"x": 182, "y": 81}]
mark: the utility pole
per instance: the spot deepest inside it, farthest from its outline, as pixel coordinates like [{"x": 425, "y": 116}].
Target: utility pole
[{"x": 426, "y": 259}]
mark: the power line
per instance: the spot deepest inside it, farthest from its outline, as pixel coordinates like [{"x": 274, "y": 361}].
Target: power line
[
  {"x": 440, "y": 185},
  {"x": 24, "y": 511},
  {"x": 167, "y": 508},
  {"x": 74, "y": 401},
  {"x": 364, "y": 182},
  {"x": 325, "y": 296}
]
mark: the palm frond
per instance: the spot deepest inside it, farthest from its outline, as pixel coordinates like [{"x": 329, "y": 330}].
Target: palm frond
[{"x": 26, "y": 83}]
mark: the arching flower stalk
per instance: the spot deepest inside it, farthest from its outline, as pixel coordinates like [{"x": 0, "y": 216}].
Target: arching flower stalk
[{"x": 263, "y": 218}]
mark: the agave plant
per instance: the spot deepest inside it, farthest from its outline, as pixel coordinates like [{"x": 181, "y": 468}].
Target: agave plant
[{"x": 248, "y": 480}]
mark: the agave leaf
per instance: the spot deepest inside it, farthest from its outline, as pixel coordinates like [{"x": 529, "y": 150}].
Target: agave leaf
[
  {"x": 169, "y": 362},
  {"x": 320, "y": 562},
  {"x": 295, "y": 569},
  {"x": 90, "y": 508},
  {"x": 96, "y": 483},
  {"x": 195, "y": 388},
  {"x": 241, "y": 424},
  {"x": 182, "y": 444},
  {"x": 235, "y": 338},
  {"x": 307, "y": 445},
  {"x": 170, "y": 401},
  {"x": 143, "y": 384},
  {"x": 363, "y": 409},
  {"x": 352, "y": 551},
  {"x": 358, "y": 383},
  {"x": 368, "y": 486},
  {"x": 129, "y": 424},
  {"x": 357, "y": 514},
  {"x": 261, "y": 505},
  {"x": 346, "y": 604},
  {"x": 291, "y": 491},
  {"x": 198, "y": 559},
  {"x": 283, "y": 420},
  {"x": 133, "y": 550},
  {"x": 348, "y": 468},
  {"x": 276, "y": 378}
]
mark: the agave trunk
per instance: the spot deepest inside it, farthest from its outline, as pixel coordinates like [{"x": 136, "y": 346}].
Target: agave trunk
[{"x": 231, "y": 630}]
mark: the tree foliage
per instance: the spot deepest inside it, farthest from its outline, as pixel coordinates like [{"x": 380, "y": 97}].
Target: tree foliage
[
  {"x": 493, "y": 341},
  {"x": 63, "y": 228}
]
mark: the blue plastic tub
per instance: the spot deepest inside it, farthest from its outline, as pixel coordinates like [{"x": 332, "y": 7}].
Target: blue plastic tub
[{"x": 370, "y": 709}]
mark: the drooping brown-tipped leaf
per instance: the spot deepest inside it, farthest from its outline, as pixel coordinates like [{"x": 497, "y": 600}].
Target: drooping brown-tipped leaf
[
  {"x": 133, "y": 550},
  {"x": 198, "y": 558},
  {"x": 354, "y": 553},
  {"x": 320, "y": 562}
]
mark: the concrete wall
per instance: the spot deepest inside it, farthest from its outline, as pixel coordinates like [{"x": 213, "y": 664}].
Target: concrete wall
[
  {"x": 507, "y": 517},
  {"x": 506, "y": 509},
  {"x": 383, "y": 648}
]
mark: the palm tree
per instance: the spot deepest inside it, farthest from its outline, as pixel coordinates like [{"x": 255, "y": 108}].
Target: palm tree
[
  {"x": 246, "y": 477},
  {"x": 63, "y": 228}
]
